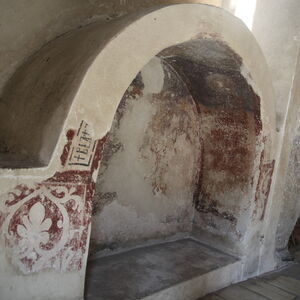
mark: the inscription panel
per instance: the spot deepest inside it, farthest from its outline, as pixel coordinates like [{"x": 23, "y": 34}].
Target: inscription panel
[{"x": 83, "y": 146}]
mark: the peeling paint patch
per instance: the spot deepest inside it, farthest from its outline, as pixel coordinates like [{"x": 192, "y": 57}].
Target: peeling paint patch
[
  {"x": 44, "y": 228},
  {"x": 149, "y": 168},
  {"x": 70, "y": 135},
  {"x": 263, "y": 187}
]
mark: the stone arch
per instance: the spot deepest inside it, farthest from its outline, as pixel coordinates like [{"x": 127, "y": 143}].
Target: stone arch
[{"x": 74, "y": 69}]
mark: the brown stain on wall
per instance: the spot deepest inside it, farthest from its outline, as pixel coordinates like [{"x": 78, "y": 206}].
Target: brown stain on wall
[
  {"x": 64, "y": 156},
  {"x": 266, "y": 169}
]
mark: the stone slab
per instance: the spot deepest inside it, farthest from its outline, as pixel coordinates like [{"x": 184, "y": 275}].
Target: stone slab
[{"x": 183, "y": 269}]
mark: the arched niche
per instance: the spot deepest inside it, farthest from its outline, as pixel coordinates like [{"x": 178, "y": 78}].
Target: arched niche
[
  {"x": 181, "y": 158},
  {"x": 77, "y": 82},
  {"x": 183, "y": 150}
]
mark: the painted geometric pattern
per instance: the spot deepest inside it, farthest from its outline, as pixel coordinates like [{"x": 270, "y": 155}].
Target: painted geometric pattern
[{"x": 45, "y": 226}]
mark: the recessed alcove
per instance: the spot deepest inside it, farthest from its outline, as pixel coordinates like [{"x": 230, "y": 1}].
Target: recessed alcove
[{"x": 178, "y": 164}]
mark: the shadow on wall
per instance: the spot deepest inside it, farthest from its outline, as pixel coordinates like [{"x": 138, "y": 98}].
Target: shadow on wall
[
  {"x": 290, "y": 211},
  {"x": 181, "y": 152},
  {"x": 31, "y": 118}
]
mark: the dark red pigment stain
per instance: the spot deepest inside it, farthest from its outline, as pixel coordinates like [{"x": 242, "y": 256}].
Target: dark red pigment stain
[
  {"x": 79, "y": 176},
  {"x": 91, "y": 186},
  {"x": 268, "y": 169},
  {"x": 228, "y": 146},
  {"x": 98, "y": 153},
  {"x": 71, "y": 176},
  {"x": 23, "y": 191},
  {"x": 135, "y": 89},
  {"x": 51, "y": 210},
  {"x": 228, "y": 152},
  {"x": 70, "y": 135},
  {"x": 263, "y": 186},
  {"x": 203, "y": 201}
]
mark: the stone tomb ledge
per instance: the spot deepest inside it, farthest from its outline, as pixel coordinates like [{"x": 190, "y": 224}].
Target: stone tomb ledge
[{"x": 183, "y": 269}]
